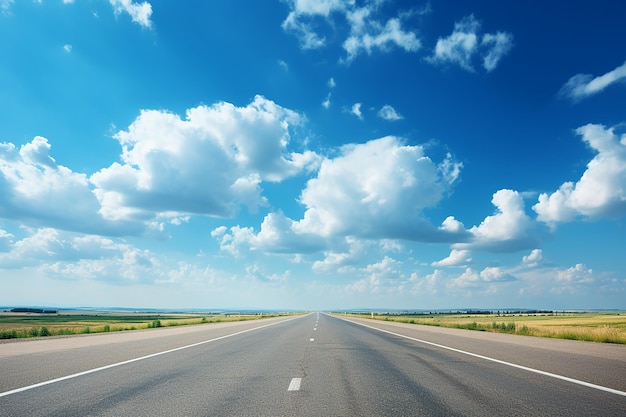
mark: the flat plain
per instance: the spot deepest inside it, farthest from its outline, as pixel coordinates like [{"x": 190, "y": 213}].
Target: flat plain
[
  {"x": 592, "y": 327},
  {"x": 25, "y": 325}
]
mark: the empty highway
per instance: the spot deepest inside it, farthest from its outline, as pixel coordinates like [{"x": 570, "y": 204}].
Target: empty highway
[{"x": 311, "y": 365}]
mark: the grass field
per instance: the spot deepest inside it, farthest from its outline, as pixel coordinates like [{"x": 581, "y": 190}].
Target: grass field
[
  {"x": 22, "y": 325},
  {"x": 594, "y": 327}
]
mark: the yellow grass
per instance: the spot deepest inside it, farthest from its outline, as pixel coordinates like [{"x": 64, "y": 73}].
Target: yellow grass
[
  {"x": 21, "y": 325},
  {"x": 605, "y": 328}
]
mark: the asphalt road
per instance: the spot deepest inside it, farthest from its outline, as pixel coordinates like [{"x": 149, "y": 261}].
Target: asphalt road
[{"x": 313, "y": 365}]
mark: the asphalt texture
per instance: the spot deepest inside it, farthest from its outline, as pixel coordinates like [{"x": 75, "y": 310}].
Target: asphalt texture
[{"x": 312, "y": 365}]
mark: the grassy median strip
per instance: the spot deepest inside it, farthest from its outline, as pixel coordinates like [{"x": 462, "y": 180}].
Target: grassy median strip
[
  {"x": 593, "y": 327},
  {"x": 20, "y": 325}
]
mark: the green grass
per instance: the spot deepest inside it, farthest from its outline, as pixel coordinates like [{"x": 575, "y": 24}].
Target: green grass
[
  {"x": 26, "y": 325},
  {"x": 593, "y": 327}
]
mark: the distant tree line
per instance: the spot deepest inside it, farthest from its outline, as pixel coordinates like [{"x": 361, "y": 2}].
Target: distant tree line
[{"x": 32, "y": 310}]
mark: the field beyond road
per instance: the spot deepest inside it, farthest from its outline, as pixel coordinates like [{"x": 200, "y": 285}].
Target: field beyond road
[
  {"x": 593, "y": 327},
  {"x": 24, "y": 325}
]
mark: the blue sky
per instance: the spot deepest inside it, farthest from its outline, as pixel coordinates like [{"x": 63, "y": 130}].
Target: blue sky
[{"x": 312, "y": 154}]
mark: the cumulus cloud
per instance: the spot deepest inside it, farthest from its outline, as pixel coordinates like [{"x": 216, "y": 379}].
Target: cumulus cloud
[
  {"x": 366, "y": 31},
  {"x": 387, "y": 112},
  {"x": 534, "y": 258},
  {"x": 6, "y": 240},
  {"x": 72, "y": 256},
  {"x": 489, "y": 275},
  {"x": 581, "y": 86},
  {"x": 571, "y": 279},
  {"x": 139, "y": 12},
  {"x": 377, "y": 189},
  {"x": 457, "y": 257},
  {"x": 374, "y": 190},
  {"x": 38, "y": 191},
  {"x": 67, "y": 48},
  {"x": 278, "y": 234},
  {"x": 342, "y": 261},
  {"x": 465, "y": 43},
  {"x": 209, "y": 163},
  {"x": 383, "y": 276},
  {"x": 510, "y": 228},
  {"x": 601, "y": 190}
]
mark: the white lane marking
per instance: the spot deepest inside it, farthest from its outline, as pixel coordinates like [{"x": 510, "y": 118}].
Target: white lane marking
[
  {"x": 294, "y": 385},
  {"x": 113, "y": 365},
  {"x": 312, "y": 340},
  {"x": 315, "y": 328},
  {"x": 487, "y": 358}
]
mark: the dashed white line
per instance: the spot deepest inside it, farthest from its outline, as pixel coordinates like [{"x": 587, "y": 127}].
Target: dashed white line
[
  {"x": 312, "y": 340},
  {"x": 294, "y": 385}
]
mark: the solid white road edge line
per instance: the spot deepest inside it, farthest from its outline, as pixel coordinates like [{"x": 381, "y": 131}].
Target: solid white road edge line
[
  {"x": 294, "y": 385},
  {"x": 487, "y": 358},
  {"x": 113, "y": 365}
]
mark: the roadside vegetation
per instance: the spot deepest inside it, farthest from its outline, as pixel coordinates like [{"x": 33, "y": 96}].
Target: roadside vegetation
[
  {"x": 24, "y": 325},
  {"x": 593, "y": 327}
]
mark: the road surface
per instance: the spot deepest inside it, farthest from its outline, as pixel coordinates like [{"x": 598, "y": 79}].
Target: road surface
[{"x": 312, "y": 365}]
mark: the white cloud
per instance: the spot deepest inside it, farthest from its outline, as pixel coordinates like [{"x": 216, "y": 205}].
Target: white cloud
[
  {"x": 303, "y": 13},
  {"x": 489, "y": 275},
  {"x": 457, "y": 257},
  {"x": 342, "y": 261},
  {"x": 581, "y": 86},
  {"x": 366, "y": 36},
  {"x": 601, "y": 190},
  {"x": 356, "y": 110},
  {"x": 452, "y": 225},
  {"x": 366, "y": 32},
  {"x": 496, "y": 46},
  {"x": 534, "y": 258},
  {"x": 384, "y": 276},
  {"x": 168, "y": 162},
  {"x": 509, "y": 228},
  {"x": 233, "y": 242},
  {"x": 576, "y": 275},
  {"x": 67, "y": 48},
  {"x": 318, "y": 7},
  {"x": 139, "y": 12},
  {"x": 331, "y": 84},
  {"x": 376, "y": 189},
  {"x": 326, "y": 102},
  {"x": 465, "y": 43},
  {"x": 71, "y": 256},
  {"x": 38, "y": 191},
  {"x": 6, "y": 241},
  {"x": 278, "y": 234},
  {"x": 387, "y": 112},
  {"x": 256, "y": 272}
]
